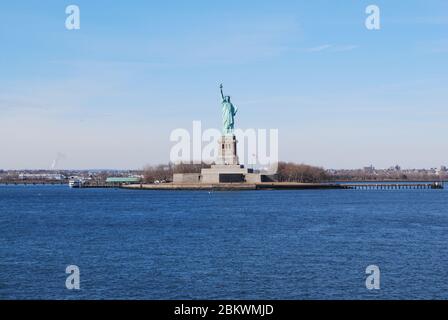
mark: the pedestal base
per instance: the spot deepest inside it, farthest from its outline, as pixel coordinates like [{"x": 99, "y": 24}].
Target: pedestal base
[
  {"x": 229, "y": 174},
  {"x": 227, "y": 151}
]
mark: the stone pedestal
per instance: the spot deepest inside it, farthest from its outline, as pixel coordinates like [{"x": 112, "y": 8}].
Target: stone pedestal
[{"x": 227, "y": 154}]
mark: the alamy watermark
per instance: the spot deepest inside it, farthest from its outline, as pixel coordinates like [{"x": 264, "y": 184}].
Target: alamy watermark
[
  {"x": 257, "y": 148},
  {"x": 373, "y": 21},
  {"x": 73, "y": 280},
  {"x": 373, "y": 278},
  {"x": 73, "y": 20}
]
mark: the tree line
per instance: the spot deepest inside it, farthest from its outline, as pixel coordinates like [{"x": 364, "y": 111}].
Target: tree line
[{"x": 295, "y": 172}]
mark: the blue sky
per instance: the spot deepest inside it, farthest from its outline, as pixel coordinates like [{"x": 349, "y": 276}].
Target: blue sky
[{"x": 108, "y": 95}]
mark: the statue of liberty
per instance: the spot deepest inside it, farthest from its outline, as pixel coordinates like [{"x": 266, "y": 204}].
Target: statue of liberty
[{"x": 228, "y": 114}]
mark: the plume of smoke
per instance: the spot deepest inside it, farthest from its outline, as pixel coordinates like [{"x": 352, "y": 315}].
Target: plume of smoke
[{"x": 59, "y": 156}]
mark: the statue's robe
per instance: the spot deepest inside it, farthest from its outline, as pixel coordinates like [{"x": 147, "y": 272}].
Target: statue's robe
[{"x": 228, "y": 114}]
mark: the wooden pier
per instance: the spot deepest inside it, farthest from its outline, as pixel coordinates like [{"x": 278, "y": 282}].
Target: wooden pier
[{"x": 395, "y": 186}]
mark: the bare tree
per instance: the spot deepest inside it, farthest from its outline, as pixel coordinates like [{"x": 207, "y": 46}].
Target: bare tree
[
  {"x": 292, "y": 172},
  {"x": 159, "y": 172}
]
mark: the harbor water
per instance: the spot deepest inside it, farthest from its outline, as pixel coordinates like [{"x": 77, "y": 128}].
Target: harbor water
[{"x": 295, "y": 244}]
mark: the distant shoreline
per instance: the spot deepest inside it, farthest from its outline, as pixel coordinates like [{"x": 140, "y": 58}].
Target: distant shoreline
[{"x": 324, "y": 183}]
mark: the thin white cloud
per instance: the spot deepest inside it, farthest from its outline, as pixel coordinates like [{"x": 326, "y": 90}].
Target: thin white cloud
[
  {"x": 331, "y": 48},
  {"x": 319, "y": 48}
]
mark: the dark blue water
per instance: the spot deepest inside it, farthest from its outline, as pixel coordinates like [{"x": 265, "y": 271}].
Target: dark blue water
[{"x": 222, "y": 245}]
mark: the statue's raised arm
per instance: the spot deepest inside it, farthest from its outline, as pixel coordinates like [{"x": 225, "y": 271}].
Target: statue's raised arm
[{"x": 222, "y": 94}]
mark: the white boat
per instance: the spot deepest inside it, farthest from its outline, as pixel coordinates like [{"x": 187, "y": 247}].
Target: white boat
[{"x": 75, "y": 183}]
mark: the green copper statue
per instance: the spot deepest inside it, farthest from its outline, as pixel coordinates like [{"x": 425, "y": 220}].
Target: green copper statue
[{"x": 228, "y": 114}]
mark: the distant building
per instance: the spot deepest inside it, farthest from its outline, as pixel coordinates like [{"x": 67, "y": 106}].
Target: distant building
[{"x": 41, "y": 176}]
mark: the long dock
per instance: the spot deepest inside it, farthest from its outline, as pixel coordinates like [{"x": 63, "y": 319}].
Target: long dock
[
  {"x": 298, "y": 186},
  {"x": 395, "y": 186}
]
